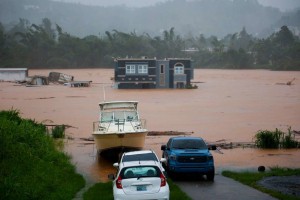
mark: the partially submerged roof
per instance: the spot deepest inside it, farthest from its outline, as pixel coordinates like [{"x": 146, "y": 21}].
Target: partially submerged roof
[
  {"x": 146, "y": 58},
  {"x": 13, "y": 69}
]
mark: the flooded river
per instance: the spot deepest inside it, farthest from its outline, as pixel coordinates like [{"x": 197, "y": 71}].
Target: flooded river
[{"x": 229, "y": 105}]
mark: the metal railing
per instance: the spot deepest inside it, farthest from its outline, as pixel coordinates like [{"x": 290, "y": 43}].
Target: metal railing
[{"x": 121, "y": 124}]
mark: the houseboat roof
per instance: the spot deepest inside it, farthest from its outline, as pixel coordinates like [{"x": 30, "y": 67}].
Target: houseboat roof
[{"x": 146, "y": 58}]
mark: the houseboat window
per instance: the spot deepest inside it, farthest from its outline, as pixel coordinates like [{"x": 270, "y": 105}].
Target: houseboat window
[
  {"x": 143, "y": 69},
  {"x": 130, "y": 69},
  {"x": 179, "y": 68},
  {"x": 162, "y": 69}
]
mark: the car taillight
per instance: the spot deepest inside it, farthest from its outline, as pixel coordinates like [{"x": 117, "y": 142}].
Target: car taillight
[
  {"x": 162, "y": 180},
  {"x": 119, "y": 182}
]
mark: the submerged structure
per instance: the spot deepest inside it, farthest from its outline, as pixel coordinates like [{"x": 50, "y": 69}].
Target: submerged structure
[
  {"x": 13, "y": 74},
  {"x": 141, "y": 73}
]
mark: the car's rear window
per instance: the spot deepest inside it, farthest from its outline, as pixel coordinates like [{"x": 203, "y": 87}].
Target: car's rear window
[
  {"x": 140, "y": 171},
  {"x": 139, "y": 157},
  {"x": 188, "y": 144}
]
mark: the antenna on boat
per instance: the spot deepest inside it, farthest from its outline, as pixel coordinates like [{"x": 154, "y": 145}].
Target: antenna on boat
[{"x": 103, "y": 93}]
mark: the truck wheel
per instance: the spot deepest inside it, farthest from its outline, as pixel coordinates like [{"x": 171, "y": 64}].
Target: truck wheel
[
  {"x": 210, "y": 176},
  {"x": 171, "y": 174}
]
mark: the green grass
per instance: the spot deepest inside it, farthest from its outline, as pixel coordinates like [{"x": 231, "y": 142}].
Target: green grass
[
  {"x": 176, "y": 192},
  {"x": 31, "y": 167},
  {"x": 98, "y": 191},
  {"x": 251, "y": 179},
  {"x": 104, "y": 191}
]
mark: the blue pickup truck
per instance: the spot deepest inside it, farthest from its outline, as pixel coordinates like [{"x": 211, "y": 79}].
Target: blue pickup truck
[{"x": 189, "y": 155}]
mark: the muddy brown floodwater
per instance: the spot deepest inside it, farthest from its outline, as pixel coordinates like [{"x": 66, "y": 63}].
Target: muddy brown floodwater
[{"x": 229, "y": 105}]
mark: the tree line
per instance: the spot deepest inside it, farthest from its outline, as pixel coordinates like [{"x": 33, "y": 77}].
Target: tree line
[{"x": 48, "y": 46}]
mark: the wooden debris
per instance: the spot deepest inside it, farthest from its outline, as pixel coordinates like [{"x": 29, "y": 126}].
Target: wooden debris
[
  {"x": 232, "y": 145},
  {"x": 166, "y": 133},
  {"x": 290, "y": 82},
  {"x": 296, "y": 132},
  {"x": 287, "y": 83},
  {"x": 78, "y": 83},
  {"x": 87, "y": 139},
  {"x": 66, "y": 126}
]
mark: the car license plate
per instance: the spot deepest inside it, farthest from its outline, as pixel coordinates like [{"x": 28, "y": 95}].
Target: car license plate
[{"x": 141, "y": 188}]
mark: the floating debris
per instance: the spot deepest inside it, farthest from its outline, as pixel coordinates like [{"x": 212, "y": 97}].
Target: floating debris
[
  {"x": 287, "y": 83},
  {"x": 158, "y": 133},
  {"x": 78, "y": 83},
  {"x": 57, "y": 77}
]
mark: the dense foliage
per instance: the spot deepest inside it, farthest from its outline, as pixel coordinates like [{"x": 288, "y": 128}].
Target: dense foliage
[
  {"x": 209, "y": 17},
  {"x": 42, "y": 46},
  {"x": 30, "y": 165},
  {"x": 276, "y": 139}
]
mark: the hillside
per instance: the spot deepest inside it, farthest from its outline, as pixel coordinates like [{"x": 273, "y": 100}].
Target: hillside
[{"x": 208, "y": 17}]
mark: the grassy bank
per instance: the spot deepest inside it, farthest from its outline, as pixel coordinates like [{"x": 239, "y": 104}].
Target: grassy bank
[
  {"x": 104, "y": 190},
  {"x": 31, "y": 167},
  {"x": 251, "y": 179}
]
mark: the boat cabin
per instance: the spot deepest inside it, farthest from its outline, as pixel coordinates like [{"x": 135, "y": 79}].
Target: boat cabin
[{"x": 118, "y": 111}]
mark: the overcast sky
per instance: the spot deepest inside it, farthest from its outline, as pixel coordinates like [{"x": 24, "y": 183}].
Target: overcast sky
[{"x": 281, "y": 4}]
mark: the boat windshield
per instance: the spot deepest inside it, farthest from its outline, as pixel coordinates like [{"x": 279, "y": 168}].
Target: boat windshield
[{"x": 119, "y": 116}]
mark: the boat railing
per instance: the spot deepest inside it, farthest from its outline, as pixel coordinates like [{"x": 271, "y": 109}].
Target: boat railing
[
  {"x": 140, "y": 124},
  {"x": 106, "y": 126}
]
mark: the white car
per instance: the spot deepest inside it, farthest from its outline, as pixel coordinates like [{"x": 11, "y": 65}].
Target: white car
[
  {"x": 140, "y": 180},
  {"x": 142, "y": 155}
]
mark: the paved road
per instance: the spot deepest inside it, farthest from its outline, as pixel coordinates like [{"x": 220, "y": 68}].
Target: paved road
[{"x": 222, "y": 188}]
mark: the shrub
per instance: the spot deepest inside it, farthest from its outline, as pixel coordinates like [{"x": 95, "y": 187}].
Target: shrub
[
  {"x": 59, "y": 131},
  {"x": 31, "y": 166},
  {"x": 275, "y": 139},
  {"x": 288, "y": 140}
]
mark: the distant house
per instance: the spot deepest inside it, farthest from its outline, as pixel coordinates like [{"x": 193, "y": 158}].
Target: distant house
[
  {"x": 140, "y": 73},
  {"x": 13, "y": 74}
]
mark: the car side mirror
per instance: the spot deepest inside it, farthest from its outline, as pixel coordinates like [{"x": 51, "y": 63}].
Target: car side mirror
[
  {"x": 111, "y": 176},
  {"x": 163, "y": 160},
  {"x": 212, "y": 147},
  {"x": 116, "y": 165},
  {"x": 163, "y": 147}
]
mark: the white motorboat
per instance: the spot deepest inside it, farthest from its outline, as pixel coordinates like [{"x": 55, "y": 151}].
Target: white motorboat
[{"x": 119, "y": 126}]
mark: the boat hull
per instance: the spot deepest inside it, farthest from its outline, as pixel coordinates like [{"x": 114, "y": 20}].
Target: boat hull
[{"x": 110, "y": 141}]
